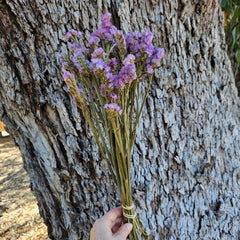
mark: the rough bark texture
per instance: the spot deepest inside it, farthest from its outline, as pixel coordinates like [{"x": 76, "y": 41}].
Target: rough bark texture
[{"x": 186, "y": 168}]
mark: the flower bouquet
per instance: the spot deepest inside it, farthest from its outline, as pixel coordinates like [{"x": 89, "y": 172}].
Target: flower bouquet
[{"x": 103, "y": 80}]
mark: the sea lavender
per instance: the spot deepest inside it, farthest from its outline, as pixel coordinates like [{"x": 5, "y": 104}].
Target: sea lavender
[{"x": 103, "y": 79}]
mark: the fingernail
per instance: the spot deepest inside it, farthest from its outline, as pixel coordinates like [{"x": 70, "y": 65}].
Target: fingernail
[{"x": 129, "y": 226}]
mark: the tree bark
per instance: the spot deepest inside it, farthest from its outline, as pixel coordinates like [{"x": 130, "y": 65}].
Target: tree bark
[{"x": 185, "y": 168}]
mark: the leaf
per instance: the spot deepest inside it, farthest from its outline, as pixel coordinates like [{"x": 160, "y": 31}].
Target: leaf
[
  {"x": 236, "y": 15},
  {"x": 223, "y": 3},
  {"x": 238, "y": 56},
  {"x": 233, "y": 38}
]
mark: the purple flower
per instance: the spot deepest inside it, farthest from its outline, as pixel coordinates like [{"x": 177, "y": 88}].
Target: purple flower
[
  {"x": 113, "y": 108},
  {"x": 149, "y": 69},
  {"x": 106, "y": 20},
  {"x": 99, "y": 32},
  {"x": 112, "y": 63},
  {"x": 147, "y": 36},
  {"x": 126, "y": 75},
  {"x": 156, "y": 57},
  {"x": 98, "y": 64},
  {"x": 121, "y": 39},
  {"x": 93, "y": 41},
  {"x": 98, "y": 53},
  {"x": 129, "y": 59},
  {"x": 113, "y": 95},
  {"x": 147, "y": 48},
  {"x": 73, "y": 46},
  {"x": 73, "y": 33},
  {"x": 108, "y": 36},
  {"x": 133, "y": 41},
  {"x": 113, "y": 30},
  {"x": 113, "y": 80}
]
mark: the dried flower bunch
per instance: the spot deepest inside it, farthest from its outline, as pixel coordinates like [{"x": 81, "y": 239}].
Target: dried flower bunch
[{"x": 103, "y": 80}]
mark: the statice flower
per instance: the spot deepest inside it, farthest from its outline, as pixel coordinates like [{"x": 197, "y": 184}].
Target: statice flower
[
  {"x": 113, "y": 81},
  {"x": 156, "y": 57},
  {"x": 149, "y": 69},
  {"x": 109, "y": 70},
  {"x": 98, "y": 64},
  {"x": 106, "y": 20},
  {"x": 113, "y": 109},
  {"x": 133, "y": 41},
  {"x": 147, "y": 48},
  {"x": 147, "y": 36},
  {"x": 113, "y": 95},
  {"x": 98, "y": 53},
  {"x": 112, "y": 63},
  {"x": 73, "y": 33},
  {"x": 129, "y": 59},
  {"x": 74, "y": 46},
  {"x": 126, "y": 75},
  {"x": 93, "y": 41}
]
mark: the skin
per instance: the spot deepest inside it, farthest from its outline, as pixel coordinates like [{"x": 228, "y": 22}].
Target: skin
[{"x": 109, "y": 227}]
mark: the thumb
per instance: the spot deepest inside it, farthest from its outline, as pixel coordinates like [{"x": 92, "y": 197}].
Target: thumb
[{"x": 123, "y": 231}]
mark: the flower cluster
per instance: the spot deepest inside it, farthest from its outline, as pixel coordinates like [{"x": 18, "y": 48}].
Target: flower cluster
[
  {"x": 112, "y": 59},
  {"x": 103, "y": 79}
]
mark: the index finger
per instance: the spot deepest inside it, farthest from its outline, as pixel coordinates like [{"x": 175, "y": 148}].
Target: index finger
[{"x": 112, "y": 215}]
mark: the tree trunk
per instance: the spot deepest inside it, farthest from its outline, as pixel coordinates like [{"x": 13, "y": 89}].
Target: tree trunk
[{"x": 185, "y": 168}]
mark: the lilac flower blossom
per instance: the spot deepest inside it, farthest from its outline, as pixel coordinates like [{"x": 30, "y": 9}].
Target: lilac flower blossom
[
  {"x": 147, "y": 48},
  {"x": 106, "y": 20},
  {"x": 73, "y": 33},
  {"x": 132, "y": 41},
  {"x": 73, "y": 46},
  {"x": 113, "y": 30},
  {"x": 149, "y": 69},
  {"x": 113, "y": 108},
  {"x": 121, "y": 39},
  {"x": 147, "y": 36},
  {"x": 156, "y": 57},
  {"x": 113, "y": 79},
  {"x": 129, "y": 59},
  {"x": 98, "y": 53},
  {"x": 98, "y": 64},
  {"x": 93, "y": 41},
  {"x": 113, "y": 95},
  {"x": 112, "y": 63},
  {"x": 126, "y": 75}
]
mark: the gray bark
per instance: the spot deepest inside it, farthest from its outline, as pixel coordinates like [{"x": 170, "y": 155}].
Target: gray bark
[{"x": 185, "y": 169}]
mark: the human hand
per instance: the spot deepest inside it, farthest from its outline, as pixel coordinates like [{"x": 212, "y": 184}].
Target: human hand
[{"x": 109, "y": 227}]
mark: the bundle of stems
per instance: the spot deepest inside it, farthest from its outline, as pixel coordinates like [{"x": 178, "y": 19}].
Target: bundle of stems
[{"x": 104, "y": 81}]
